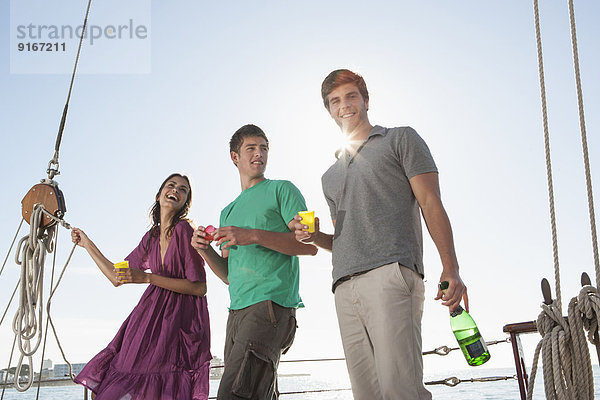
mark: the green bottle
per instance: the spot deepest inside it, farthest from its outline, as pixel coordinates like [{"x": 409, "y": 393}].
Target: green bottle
[{"x": 469, "y": 339}]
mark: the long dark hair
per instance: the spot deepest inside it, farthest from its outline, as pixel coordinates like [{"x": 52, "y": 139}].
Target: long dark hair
[{"x": 179, "y": 215}]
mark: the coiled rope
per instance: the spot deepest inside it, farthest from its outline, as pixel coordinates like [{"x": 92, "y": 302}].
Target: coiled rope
[
  {"x": 33, "y": 249},
  {"x": 28, "y": 312},
  {"x": 28, "y": 318},
  {"x": 565, "y": 354},
  {"x": 26, "y": 325},
  {"x": 584, "y": 379}
]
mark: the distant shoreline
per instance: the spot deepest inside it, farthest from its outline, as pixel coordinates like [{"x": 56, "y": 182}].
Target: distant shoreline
[
  {"x": 69, "y": 382},
  {"x": 50, "y": 382},
  {"x": 216, "y": 378}
]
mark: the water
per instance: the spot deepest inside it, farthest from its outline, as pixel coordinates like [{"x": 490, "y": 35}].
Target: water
[{"x": 501, "y": 390}]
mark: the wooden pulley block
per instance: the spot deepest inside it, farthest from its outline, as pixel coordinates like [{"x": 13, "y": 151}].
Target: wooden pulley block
[{"x": 50, "y": 196}]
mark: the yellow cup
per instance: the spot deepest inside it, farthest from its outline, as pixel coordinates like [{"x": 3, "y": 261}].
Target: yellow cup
[
  {"x": 121, "y": 267},
  {"x": 308, "y": 218}
]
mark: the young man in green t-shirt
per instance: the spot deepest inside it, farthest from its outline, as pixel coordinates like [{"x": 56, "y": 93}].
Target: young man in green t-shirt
[{"x": 259, "y": 263}]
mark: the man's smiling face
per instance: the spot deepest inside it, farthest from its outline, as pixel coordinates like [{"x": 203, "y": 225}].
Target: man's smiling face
[{"x": 347, "y": 107}]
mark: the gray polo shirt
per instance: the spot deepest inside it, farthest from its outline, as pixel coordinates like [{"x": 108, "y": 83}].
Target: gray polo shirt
[{"x": 378, "y": 219}]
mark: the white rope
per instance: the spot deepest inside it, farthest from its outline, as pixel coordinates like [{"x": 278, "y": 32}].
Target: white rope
[
  {"x": 49, "y": 303},
  {"x": 557, "y": 355},
  {"x": 49, "y": 318},
  {"x": 584, "y": 310},
  {"x": 565, "y": 355},
  {"x": 584, "y": 144},
  {"x": 538, "y": 36},
  {"x": 536, "y": 357},
  {"x": 588, "y": 304},
  {"x": 578, "y": 319},
  {"x": 567, "y": 365},
  {"x": 28, "y": 318}
]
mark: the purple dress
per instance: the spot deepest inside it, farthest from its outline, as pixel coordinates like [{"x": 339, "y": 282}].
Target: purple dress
[{"x": 162, "y": 350}]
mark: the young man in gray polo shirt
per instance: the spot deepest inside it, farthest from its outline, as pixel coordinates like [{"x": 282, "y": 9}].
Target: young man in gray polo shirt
[{"x": 376, "y": 190}]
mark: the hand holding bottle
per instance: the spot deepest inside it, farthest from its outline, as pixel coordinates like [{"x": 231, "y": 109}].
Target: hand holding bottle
[
  {"x": 467, "y": 334},
  {"x": 455, "y": 292}
]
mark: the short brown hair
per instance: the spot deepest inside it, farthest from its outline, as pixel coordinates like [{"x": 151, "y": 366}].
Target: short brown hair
[
  {"x": 245, "y": 131},
  {"x": 340, "y": 77}
]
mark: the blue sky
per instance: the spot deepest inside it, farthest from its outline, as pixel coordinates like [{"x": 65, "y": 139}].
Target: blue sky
[{"x": 463, "y": 74}]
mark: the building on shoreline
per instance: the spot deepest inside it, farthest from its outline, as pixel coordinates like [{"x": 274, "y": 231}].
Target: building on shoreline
[
  {"x": 216, "y": 368},
  {"x": 59, "y": 372},
  {"x": 62, "y": 370}
]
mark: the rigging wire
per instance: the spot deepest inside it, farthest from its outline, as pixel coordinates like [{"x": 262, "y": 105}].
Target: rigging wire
[
  {"x": 2, "y": 269},
  {"x": 10, "y": 301},
  {"x": 440, "y": 351},
  {"x": 538, "y": 36},
  {"x": 11, "y": 246},
  {"x": 587, "y": 304},
  {"x": 557, "y": 304},
  {"x": 46, "y": 330},
  {"x": 584, "y": 145},
  {"x": 25, "y": 324},
  {"x": 8, "y": 367},
  {"x": 565, "y": 355},
  {"x": 48, "y": 304},
  {"x": 33, "y": 248},
  {"x": 51, "y": 323},
  {"x": 445, "y": 350},
  {"x": 453, "y": 381},
  {"x": 450, "y": 382},
  {"x": 52, "y": 171}
]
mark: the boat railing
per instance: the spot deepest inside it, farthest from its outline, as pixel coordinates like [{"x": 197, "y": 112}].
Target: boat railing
[{"x": 514, "y": 331}]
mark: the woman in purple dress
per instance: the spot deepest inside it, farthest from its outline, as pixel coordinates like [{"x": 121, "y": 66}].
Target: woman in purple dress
[{"x": 162, "y": 350}]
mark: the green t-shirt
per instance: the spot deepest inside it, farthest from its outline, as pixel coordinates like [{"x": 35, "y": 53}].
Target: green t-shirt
[{"x": 257, "y": 273}]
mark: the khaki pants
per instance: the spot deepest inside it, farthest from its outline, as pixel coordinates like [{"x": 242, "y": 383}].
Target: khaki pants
[
  {"x": 255, "y": 339},
  {"x": 379, "y": 314}
]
